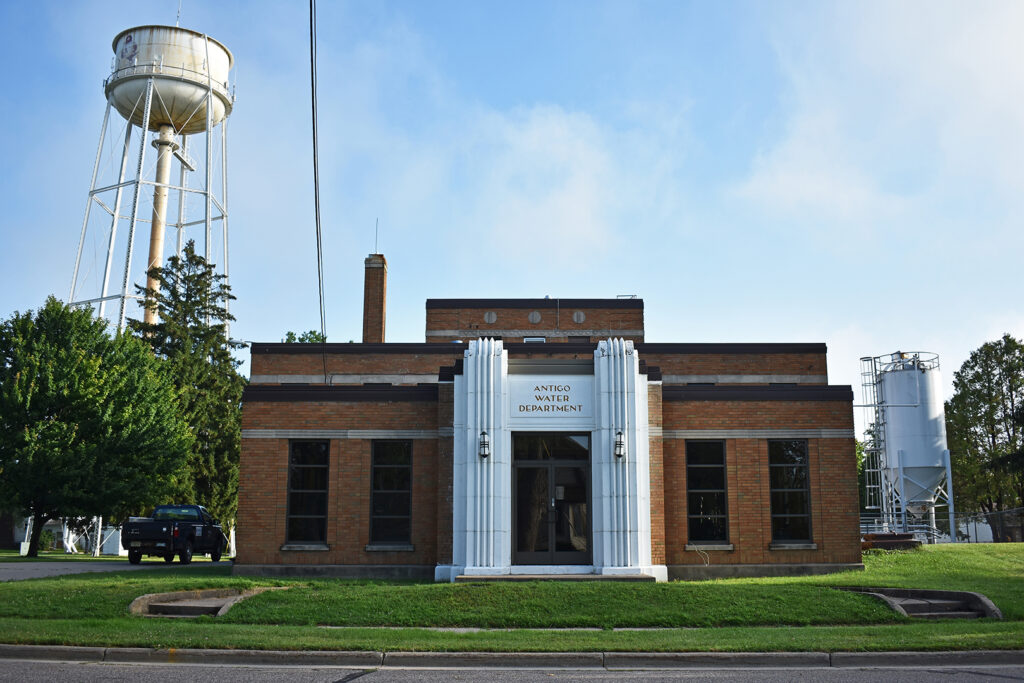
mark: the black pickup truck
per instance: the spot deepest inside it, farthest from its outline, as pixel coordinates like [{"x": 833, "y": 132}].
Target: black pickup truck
[{"x": 173, "y": 530}]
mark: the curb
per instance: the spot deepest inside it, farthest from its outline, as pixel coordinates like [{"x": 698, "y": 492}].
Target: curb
[
  {"x": 919, "y": 659},
  {"x": 714, "y": 660},
  {"x": 516, "y": 660},
  {"x": 495, "y": 660}
]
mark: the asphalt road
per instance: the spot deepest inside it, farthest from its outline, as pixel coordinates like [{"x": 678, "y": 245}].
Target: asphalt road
[
  {"x": 22, "y": 670},
  {"x": 16, "y": 571}
]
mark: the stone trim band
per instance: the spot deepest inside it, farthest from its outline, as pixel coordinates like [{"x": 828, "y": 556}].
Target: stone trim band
[
  {"x": 339, "y": 434},
  {"x": 757, "y": 434}
]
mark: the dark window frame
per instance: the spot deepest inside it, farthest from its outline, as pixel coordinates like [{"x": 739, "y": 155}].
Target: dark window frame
[
  {"x": 805, "y": 468},
  {"x": 724, "y": 491},
  {"x": 291, "y": 491},
  {"x": 375, "y": 528}
]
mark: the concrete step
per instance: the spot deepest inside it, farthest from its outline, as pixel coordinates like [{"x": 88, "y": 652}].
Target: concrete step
[
  {"x": 190, "y": 608},
  {"x": 915, "y": 606},
  {"x": 643, "y": 578},
  {"x": 924, "y": 603}
]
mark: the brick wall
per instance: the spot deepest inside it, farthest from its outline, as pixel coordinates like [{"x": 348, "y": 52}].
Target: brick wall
[
  {"x": 556, "y": 324},
  {"x": 445, "y": 463},
  {"x": 832, "y": 471},
  {"x": 657, "y": 475},
  {"x": 263, "y": 481},
  {"x": 352, "y": 363},
  {"x": 738, "y": 363}
]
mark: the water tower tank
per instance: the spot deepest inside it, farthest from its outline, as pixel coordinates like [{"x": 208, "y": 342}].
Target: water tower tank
[
  {"x": 915, "y": 425},
  {"x": 185, "y": 66}
]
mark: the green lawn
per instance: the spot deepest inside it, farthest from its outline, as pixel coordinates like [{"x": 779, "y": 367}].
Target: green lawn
[
  {"x": 61, "y": 556},
  {"x": 799, "y": 613}
]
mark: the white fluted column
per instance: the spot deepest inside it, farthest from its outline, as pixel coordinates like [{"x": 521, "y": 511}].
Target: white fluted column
[
  {"x": 621, "y": 486},
  {"x": 482, "y": 487}
]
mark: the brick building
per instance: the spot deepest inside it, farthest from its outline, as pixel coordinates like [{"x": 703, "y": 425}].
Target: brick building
[{"x": 543, "y": 436}]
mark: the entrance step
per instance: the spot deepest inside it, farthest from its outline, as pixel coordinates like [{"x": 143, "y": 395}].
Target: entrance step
[
  {"x": 920, "y": 603},
  {"x": 641, "y": 578},
  {"x": 213, "y": 602},
  {"x": 188, "y": 608}
]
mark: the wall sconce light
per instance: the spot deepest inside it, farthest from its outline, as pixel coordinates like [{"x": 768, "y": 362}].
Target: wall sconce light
[
  {"x": 485, "y": 445},
  {"x": 620, "y": 444}
]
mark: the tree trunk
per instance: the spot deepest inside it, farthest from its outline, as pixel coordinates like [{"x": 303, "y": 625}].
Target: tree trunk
[{"x": 39, "y": 520}]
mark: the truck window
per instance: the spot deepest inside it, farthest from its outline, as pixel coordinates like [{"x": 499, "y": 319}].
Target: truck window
[{"x": 176, "y": 513}]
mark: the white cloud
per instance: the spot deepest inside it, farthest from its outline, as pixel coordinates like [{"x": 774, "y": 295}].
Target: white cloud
[{"x": 906, "y": 114}]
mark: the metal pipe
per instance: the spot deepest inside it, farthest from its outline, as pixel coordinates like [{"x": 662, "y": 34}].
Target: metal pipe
[
  {"x": 949, "y": 497},
  {"x": 903, "y": 494},
  {"x": 181, "y": 197},
  {"x": 165, "y": 146}
]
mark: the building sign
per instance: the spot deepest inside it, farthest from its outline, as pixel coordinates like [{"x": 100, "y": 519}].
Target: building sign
[{"x": 557, "y": 396}]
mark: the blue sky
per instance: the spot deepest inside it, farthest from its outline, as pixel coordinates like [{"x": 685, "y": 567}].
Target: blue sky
[{"x": 788, "y": 171}]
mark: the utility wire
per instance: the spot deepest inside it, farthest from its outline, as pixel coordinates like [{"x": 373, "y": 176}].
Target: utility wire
[{"x": 316, "y": 185}]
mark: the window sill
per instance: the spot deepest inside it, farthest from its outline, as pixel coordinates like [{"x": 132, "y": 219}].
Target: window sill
[
  {"x": 390, "y": 548},
  {"x": 709, "y": 546},
  {"x": 793, "y": 545},
  {"x": 303, "y": 547}
]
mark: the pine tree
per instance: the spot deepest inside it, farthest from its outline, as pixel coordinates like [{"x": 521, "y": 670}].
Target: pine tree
[{"x": 191, "y": 334}]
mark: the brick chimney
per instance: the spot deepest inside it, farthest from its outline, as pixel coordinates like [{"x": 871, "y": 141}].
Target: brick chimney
[{"x": 375, "y": 289}]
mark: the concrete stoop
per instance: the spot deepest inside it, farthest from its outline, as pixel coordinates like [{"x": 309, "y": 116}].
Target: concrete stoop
[
  {"x": 474, "y": 578},
  {"x": 921, "y": 603},
  {"x": 214, "y": 602}
]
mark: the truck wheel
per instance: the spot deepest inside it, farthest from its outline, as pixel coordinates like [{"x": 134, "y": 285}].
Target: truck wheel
[
  {"x": 215, "y": 555},
  {"x": 169, "y": 557},
  {"x": 185, "y": 556},
  {"x": 134, "y": 556}
]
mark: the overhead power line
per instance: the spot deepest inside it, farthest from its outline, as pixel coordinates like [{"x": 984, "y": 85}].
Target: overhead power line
[{"x": 316, "y": 184}]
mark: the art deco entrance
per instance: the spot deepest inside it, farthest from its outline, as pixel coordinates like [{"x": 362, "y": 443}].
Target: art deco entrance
[{"x": 551, "y": 498}]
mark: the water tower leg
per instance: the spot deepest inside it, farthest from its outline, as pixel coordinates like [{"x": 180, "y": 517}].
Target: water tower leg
[
  {"x": 135, "y": 205},
  {"x": 224, "y": 212},
  {"x": 88, "y": 205},
  {"x": 115, "y": 218},
  {"x": 165, "y": 146}
]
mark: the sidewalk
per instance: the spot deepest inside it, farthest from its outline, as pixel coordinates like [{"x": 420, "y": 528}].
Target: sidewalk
[{"x": 525, "y": 660}]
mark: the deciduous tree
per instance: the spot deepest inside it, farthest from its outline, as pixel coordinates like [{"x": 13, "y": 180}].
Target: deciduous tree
[
  {"x": 984, "y": 430},
  {"x": 89, "y": 422},
  {"x": 310, "y": 337}
]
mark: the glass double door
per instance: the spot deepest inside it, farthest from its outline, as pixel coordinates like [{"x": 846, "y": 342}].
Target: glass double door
[{"x": 551, "y": 498}]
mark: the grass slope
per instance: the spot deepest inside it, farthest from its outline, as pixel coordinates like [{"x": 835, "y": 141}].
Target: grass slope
[{"x": 750, "y": 614}]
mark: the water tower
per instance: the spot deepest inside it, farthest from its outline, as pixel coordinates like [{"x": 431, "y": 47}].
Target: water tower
[
  {"x": 907, "y": 465},
  {"x": 170, "y": 85}
]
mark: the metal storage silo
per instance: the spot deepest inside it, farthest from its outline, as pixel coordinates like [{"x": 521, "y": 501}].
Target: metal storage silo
[{"x": 908, "y": 457}]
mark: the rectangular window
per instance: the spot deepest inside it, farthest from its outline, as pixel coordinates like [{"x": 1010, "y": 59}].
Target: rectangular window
[
  {"x": 534, "y": 340},
  {"x": 391, "y": 492},
  {"x": 307, "y": 491},
  {"x": 790, "y": 491},
  {"x": 707, "y": 512}
]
